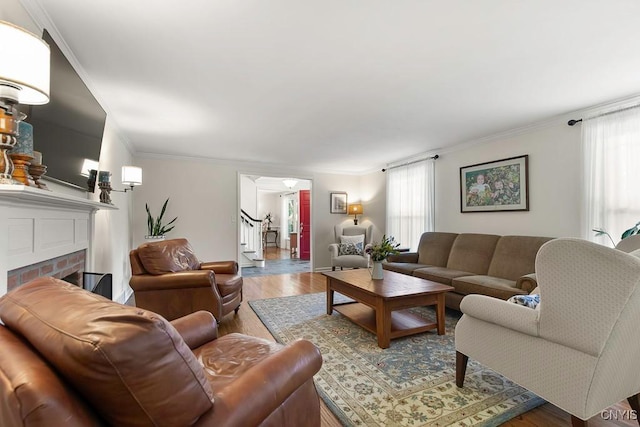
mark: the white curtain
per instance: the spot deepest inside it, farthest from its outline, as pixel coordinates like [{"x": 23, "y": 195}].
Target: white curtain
[
  {"x": 611, "y": 180},
  {"x": 410, "y": 202}
]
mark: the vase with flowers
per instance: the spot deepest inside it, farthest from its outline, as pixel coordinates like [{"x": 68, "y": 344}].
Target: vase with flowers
[
  {"x": 268, "y": 220},
  {"x": 378, "y": 252}
]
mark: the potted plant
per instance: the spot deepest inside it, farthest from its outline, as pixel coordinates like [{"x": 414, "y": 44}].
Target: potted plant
[
  {"x": 627, "y": 233},
  {"x": 379, "y": 252},
  {"x": 155, "y": 227}
]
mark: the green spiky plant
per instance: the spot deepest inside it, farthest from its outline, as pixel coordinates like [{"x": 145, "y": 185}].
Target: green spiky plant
[{"x": 155, "y": 226}]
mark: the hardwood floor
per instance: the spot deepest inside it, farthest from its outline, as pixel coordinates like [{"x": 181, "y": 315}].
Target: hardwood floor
[{"x": 247, "y": 322}]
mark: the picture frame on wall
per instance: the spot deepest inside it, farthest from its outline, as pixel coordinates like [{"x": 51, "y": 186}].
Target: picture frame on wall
[
  {"x": 500, "y": 185},
  {"x": 338, "y": 202}
]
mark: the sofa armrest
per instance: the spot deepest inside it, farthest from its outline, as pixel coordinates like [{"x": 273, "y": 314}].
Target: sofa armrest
[
  {"x": 278, "y": 376},
  {"x": 221, "y": 267},
  {"x": 527, "y": 283},
  {"x": 411, "y": 257},
  {"x": 179, "y": 280},
  {"x": 502, "y": 313},
  {"x": 197, "y": 328},
  {"x": 333, "y": 248}
]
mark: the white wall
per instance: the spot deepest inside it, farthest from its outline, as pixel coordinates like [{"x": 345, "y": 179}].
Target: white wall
[
  {"x": 204, "y": 196},
  {"x": 554, "y": 187},
  {"x": 112, "y": 234}
]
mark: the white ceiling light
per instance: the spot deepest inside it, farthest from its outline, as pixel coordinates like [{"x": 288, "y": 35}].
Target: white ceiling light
[{"x": 290, "y": 183}]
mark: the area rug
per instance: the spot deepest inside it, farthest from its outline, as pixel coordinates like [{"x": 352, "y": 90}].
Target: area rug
[
  {"x": 412, "y": 383},
  {"x": 278, "y": 266}
]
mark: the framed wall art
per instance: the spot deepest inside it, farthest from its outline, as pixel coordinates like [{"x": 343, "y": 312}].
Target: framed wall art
[
  {"x": 501, "y": 185},
  {"x": 338, "y": 203}
]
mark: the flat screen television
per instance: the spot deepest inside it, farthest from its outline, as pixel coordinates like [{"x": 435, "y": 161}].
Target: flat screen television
[{"x": 69, "y": 128}]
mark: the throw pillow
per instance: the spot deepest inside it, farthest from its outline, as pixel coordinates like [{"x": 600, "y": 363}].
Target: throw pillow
[
  {"x": 348, "y": 249},
  {"x": 530, "y": 301},
  {"x": 357, "y": 241}
]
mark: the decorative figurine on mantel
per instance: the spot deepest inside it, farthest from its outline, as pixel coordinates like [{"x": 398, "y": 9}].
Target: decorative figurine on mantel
[
  {"x": 37, "y": 170},
  {"x": 104, "y": 183},
  {"x": 22, "y": 154}
]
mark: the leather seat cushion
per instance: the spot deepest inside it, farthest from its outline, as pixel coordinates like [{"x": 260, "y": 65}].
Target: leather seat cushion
[
  {"x": 439, "y": 274},
  {"x": 113, "y": 354},
  {"x": 228, "y": 284},
  {"x": 487, "y": 285}
]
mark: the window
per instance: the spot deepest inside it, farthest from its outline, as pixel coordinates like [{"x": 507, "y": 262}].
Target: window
[
  {"x": 410, "y": 202},
  {"x": 611, "y": 180}
]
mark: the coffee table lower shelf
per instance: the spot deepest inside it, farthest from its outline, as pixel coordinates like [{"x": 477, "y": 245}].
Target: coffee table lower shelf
[{"x": 403, "y": 322}]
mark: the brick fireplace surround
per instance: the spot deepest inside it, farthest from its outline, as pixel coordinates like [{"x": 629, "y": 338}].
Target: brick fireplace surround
[
  {"x": 43, "y": 233},
  {"x": 59, "y": 267}
]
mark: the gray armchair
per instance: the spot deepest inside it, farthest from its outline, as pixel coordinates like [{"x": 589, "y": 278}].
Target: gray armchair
[{"x": 350, "y": 261}]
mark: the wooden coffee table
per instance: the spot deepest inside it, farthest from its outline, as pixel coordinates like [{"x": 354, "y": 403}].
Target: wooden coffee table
[{"x": 381, "y": 305}]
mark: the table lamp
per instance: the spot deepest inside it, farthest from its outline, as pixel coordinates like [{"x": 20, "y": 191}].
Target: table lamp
[
  {"x": 355, "y": 209},
  {"x": 24, "y": 79}
]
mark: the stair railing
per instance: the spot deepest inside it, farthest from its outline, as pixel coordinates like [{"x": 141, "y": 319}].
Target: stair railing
[{"x": 251, "y": 233}]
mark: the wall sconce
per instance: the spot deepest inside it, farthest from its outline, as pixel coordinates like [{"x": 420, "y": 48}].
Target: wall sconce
[
  {"x": 355, "y": 209},
  {"x": 24, "y": 79},
  {"x": 290, "y": 183},
  {"x": 131, "y": 176}
]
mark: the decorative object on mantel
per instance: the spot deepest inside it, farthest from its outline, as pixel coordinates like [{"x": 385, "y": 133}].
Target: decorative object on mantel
[
  {"x": 378, "y": 252},
  {"x": 104, "y": 183},
  {"x": 22, "y": 154},
  {"x": 24, "y": 79},
  {"x": 155, "y": 228},
  {"x": 495, "y": 186},
  {"x": 355, "y": 210}
]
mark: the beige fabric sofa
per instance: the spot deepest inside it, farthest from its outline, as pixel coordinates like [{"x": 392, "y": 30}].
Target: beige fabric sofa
[{"x": 487, "y": 264}]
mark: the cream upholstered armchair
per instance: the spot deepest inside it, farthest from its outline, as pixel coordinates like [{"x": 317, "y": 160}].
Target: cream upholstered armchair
[
  {"x": 345, "y": 256},
  {"x": 579, "y": 348}
]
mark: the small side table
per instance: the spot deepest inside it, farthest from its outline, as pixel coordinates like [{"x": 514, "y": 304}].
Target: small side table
[
  {"x": 265, "y": 237},
  {"x": 293, "y": 244}
]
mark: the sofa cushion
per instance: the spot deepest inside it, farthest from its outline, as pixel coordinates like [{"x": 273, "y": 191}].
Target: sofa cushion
[
  {"x": 168, "y": 256},
  {"x": 130, "y": 364},
  {"x": 515, "y": 256},
  {"x": 472, "y": 252},
  {"x": 434, "y": 248},
  {"x": 486, "y": 285},
  {"x": 439, "y": 274},
  {"x": 403, "y": 267}
]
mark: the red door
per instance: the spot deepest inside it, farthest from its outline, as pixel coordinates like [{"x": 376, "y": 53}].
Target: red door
[{"x": 305, "y": 224}]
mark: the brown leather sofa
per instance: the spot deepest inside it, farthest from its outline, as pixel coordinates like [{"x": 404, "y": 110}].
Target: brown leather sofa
[
  {"x": 72, "y": 358},
  {"x": 168, "y": 279},
  {"x": 487, "y": 264}
]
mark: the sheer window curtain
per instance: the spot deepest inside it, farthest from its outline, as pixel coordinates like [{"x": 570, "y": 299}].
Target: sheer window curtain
[
  {"x": 410, "y": 202},
  {"x": 611, "y": 174}
]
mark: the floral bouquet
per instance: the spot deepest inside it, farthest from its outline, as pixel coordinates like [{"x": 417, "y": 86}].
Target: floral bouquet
[{"x": 380, "y": 251}]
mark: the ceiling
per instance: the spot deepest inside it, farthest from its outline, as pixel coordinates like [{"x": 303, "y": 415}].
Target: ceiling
[{"x": 342, "y": 85}]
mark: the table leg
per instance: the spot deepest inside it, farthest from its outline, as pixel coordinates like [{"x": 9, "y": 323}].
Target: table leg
[
  {"x": 383, "y": 324},
  {"x": 329, "y": 298},
  {"x": 440, "y": 314}
]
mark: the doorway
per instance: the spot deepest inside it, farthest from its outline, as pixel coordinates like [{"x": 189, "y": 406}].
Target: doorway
[{"x": 277, "y": 211}]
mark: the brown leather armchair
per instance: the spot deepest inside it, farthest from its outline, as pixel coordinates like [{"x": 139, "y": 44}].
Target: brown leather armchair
[
  {"x": 72, "y": 358},
  {"x": 168, "y": 279}
]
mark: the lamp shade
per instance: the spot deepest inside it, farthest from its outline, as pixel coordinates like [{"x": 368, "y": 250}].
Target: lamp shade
[
  {"x": 355, "y": 209},
  {"x": 24, "y": 69},
  {"x": 131, "y": 175}
]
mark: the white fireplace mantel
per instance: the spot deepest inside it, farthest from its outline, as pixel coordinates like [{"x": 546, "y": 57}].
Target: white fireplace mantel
[{"x": 37, "y": 225}]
